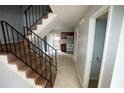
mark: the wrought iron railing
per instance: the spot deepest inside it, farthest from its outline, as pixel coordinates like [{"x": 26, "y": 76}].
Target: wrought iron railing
[
  {"x": 32, "y": 16},
  {"x": 24, "y": 49},
  {"x": 42, "y": 45},
  {"x": 34, "y": 13}
]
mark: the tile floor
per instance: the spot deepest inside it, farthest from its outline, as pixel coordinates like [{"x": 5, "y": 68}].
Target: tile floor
[{"x": 66, "y": 75}]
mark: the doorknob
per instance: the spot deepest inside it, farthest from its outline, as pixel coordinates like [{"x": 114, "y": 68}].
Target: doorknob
[{"x": 98, "y": 59}]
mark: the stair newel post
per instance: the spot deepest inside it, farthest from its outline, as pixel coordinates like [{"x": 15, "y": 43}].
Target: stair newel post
[{"x": 4, "y": 36}]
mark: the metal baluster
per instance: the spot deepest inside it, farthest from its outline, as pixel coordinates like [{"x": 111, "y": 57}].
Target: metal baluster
[
  {"x": 19, "y": 46},
  {"x": 40, "y": 57},
  {"x": 41, "y": 47},
  {"x": 8, "y": 36},
  {"x": 29, "y": 18},
  {"x": 31, "y": 37},
  {"x": 29, "y": 50},
  {"x": 35, "y": 59},
  {"x": 38, "y": 42},
  {"x": 35, "y": 41},
  {"x": 56, "y": 58},
  {"x": 42, "y": 10},
  {"x": 24, "y": 31},
  {"x": 35, "y": 13},
  {"x": 13, "y": 41},
  {"x": 45, "y": 65},
  {"x": 1, "y": 49},
  {"x": 4, "y": 35},
  {"x": 54, "y": 55},
  {"x": 39, "y": 10},
  {"x": 46, "y": 9},
  {"x": 24, "y": 53},
  {"x": 49, "y": 50},
  {"x": 32, "y": 15},
  {"x": 40, "y": 64},
  {"x": 50, "y": 72},
  {"x": 26, "y": 19}
]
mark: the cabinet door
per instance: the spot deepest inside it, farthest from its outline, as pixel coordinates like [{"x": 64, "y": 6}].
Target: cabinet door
[
  {"x": 63, "y": 47},
  {"x": 63, "y": 35}
]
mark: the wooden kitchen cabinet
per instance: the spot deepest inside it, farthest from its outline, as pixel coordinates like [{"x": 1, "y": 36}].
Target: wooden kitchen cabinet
[
  {"x": 65, "y": 37},
  {"x": 63, "y": 47}
]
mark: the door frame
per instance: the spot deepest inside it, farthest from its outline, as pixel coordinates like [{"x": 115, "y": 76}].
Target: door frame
[{"x": 91, "y": 35}]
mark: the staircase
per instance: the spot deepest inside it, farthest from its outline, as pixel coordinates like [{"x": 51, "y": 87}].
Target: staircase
[
  {"x": 46, "y": 21},
  {"x": 29, "y": 52}
]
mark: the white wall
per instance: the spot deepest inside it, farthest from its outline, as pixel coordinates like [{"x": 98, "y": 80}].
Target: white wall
[
  {"x": 118, "y": 76},
  {"x": 13, "y": 15},
  {"x": 115, "y": 26},
  {"x": 10, "y": 79}
]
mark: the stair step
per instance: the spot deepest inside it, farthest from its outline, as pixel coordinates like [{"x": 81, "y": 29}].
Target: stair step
[
  {"x": 3, "y": 49},
  {"x": 40, "y": 81},
  {"x": 22, "y": 67},
  {"x": 34, "y": 61},
  {"x": 11, "y": 59},
  {"x": 34, "y": 27},
  {"x": 50, "y": 14},
  {"x": 21, "y": 53},
  {"x": 31, "y": 74},
  {"x": 39, "y": 22},
  {"x": 45, "y": 17}
]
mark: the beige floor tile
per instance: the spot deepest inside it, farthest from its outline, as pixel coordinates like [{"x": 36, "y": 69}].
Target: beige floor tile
[{"x": 66, "y": 75}]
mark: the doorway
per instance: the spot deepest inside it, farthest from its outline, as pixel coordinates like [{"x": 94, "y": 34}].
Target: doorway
[{"x": 98, "y": 47}]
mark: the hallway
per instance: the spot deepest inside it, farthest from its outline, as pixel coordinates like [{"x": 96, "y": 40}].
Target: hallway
[{"x": 66, "y": 75}]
